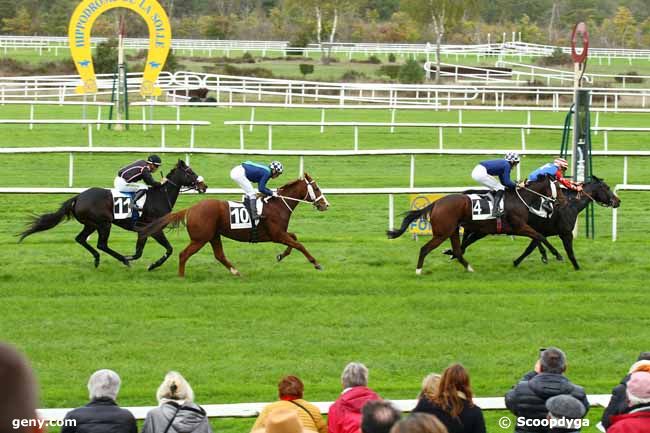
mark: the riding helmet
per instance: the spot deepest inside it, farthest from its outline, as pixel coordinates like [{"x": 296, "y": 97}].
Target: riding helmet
[
  {"x": 276, "y": 167},
  {"x": 512, "y": 157},
  {"x": 562, "y": 163},
  {"x": 154, "y": 159}
]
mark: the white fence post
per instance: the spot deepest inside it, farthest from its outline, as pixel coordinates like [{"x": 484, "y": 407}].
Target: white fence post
[
  {"x": 460, "y": 121},
  {"x": 162, "y": 136},
  {"x": 90, "y": 136},
  {"x": 356, "y": 138},
  {"x": 625, "y": 170},
  {"x": 301, "y": 165},
  {"x": 614, "y": 222},
  {"x": 392, "y": 120},
  {"x": 412, "y": 175},
  {"x": 70, "y": 170},
  {"x": 391, "y": 211},
  {"x": 192, "y": 136},
  {"x": 270, "y": 137},
  {"x": 440, "y": 137},
  {"x": 250, "y": 128},
  {"x": 523, "y": 139},
  {"x": 241, "y": 137},
  {"x": 178, "y": 117},
  {"x": 322, "y": 120}
]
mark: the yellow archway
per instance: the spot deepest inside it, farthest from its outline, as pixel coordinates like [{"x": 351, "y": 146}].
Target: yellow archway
[{"x": 160, "y": 38}]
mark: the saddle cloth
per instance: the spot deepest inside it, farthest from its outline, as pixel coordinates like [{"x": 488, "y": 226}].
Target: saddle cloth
[
  {"x": 482, "y": 205},
  {"x": 122, "y": 204},
  {"x": 239, "y": 216}
]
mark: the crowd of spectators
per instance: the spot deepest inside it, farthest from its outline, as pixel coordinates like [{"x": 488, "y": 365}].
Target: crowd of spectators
[{"x": 544, "y": 398}]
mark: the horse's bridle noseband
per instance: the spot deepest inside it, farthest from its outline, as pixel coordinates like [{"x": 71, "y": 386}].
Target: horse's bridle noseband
[{"x": 310, "y": 194}]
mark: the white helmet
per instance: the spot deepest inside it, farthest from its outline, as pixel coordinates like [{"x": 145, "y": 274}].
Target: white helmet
[
  {"x": 276, "y": 167},
  {"x": 561, "y": 163},
  {"x": 512, "y": 157}
]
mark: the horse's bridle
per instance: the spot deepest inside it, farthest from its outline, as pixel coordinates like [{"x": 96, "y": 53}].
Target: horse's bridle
[
  {"x": 610, "y": 204},
  {"x": 195, "y": 184},
  {"x": 310, "y": 194}
]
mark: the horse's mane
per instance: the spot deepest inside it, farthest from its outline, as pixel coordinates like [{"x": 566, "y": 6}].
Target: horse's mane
[{"x": 292, "y": 183}]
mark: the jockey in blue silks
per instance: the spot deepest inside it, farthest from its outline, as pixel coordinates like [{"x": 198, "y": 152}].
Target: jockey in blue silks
[
  {"x": 250, "y": 171},
  {"x": 485, "y": 170}
]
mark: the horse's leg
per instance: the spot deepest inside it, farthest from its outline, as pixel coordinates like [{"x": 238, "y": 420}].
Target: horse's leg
[
  {"x": 162, "y": 240},
  {"x": 529, "y": 249},
  {"x": 567, "y": 240},
  {"x": 426, "y": 249},
  {"x": 542, "y": 251},
  {"x": 530, "y": 232},
  {"x": 190, "y": 250},
  {"x": 217, "y": 248},
  {"x": 286, "y": 239},
  {"x": 139, "y": 247},
  {"x": 286, "y": 252},
  {"x": 104, "y": 231},
  {"x": 82, "y": 239},
  {"x": 458, "y": 252}
]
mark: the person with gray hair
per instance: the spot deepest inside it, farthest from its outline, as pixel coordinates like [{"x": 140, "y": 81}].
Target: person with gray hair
[
  {"x": 566, "y": 413},
  {"x": 176, "y": 411},
  {"x": 528, "y": 397},
  {"x": 637, "y": 418},
  {"x": 344, "y": 414},
  {"x": 102, "y": 414}
]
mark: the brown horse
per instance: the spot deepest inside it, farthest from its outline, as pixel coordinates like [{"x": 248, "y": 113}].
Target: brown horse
[
  {"x": 208, "y": 220},
  {"x": 452, "y": 211}
]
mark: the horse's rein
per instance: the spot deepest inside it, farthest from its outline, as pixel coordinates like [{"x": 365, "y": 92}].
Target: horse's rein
[
  {"x": 552, "y": 199},
  {"x": 592, "y": 199},
  {"x": 310, "y": 193}
]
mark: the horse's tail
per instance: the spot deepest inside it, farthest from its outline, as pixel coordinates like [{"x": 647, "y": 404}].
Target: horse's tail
[
  {"x": 49, "y": 220},
  {"x": 174, "y": 220},
  {"x": 408, "y": 219}
]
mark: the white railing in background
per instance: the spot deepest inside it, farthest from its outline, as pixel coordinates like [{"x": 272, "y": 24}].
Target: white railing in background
[
  {"x": 624, "y": 187},
  {"x": 412, "y": 153}
]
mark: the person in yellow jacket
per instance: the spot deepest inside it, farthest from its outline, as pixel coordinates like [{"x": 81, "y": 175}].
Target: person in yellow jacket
[{"x": 290, "y": 390}]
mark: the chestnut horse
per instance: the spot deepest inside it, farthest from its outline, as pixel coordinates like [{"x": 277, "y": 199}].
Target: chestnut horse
[
  {"x": 452, "y": 211},
  {"x": 208, "y": 220}
]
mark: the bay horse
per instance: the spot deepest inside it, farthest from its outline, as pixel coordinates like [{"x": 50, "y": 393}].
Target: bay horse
[
  {"x": 208, "y": 220},
  {"x": 562, "y": 221},
  {"x": 94, "y": 209},
  {"x": 452, "y": 211}
]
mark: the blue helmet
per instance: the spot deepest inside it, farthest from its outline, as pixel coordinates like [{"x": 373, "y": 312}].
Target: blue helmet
[{"x": 276, "y": 167}]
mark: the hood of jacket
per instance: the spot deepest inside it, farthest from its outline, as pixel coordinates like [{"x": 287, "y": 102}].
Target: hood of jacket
[
  {"x": 547, "y": 385},
  {"x": 354, "y": 398},
  {"x": 188, "y": 415}
]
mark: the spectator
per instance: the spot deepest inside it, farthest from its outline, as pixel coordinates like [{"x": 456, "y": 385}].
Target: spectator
[
  {"x": 102, "y": 414},
  {"x": 177, "y": 412},
  {"x": 419, "y": 423},
  {"x": 528, "y": 397},
  {"x": 283, "y": 421},
  {"x": 429, "y": 385},
  {"x": 19, "y": 391},
  {"x": 345, "y": 414},
  {"x": 379, "y": 417},
  {"x": 618, "y": 403},
  {"x": 290, "y": 392},
  {"x": 567, "y": 412},
  {"x": 452, "y": 403},
  {"x": 637, "y": 418}
]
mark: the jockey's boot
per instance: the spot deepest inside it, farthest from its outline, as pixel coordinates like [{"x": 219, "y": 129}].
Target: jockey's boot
[
  {"x": 137, "y": 196},
  {"x": 251, "y": 206},
  {"x": 498, "y": 197}
]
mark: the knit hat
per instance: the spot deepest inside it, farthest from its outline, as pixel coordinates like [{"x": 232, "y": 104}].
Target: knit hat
[
  {"x": 565, "y": 406},
  {"x": 639, "y": 385},
  {"x": 282, "y": 421}
]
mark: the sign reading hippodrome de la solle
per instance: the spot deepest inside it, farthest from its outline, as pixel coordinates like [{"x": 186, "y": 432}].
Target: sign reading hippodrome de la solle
[{"x": 160, "y": 39}]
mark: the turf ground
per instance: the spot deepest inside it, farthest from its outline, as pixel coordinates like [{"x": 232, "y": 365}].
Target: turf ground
[{"x": 234, "y": 337}]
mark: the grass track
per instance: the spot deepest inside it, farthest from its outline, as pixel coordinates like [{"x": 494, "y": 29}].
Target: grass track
[{"x": 233, "y": 338}]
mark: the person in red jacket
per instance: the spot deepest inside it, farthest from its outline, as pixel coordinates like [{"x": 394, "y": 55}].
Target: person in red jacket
[
  {"x": 344, "y": 415},
  {"x": 637, "y": 418}
]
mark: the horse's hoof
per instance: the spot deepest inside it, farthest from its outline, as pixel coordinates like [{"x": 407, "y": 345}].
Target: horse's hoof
[
  {"x": 152, "y": 266},
  {"x": 418, "y": 271},
  {"x": 448, "y": 252},
  {"x": 97, "y": 262},
  {"x": 544, "y": 260},
  {"x": 318, "y": 267},
  {"x": 279, "y": 257},
  {"x": 470, "y": 268},
  {"x": 559, "y": 258},
  {"x": 235, "y": 272},
  {"x": 126, "y": 263},
  {"x": 515, "y": 263}
]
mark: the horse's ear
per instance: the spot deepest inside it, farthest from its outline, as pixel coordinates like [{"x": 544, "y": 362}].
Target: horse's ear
[
  {"x": 307, "y": 176},
  {"x": 597, "y": 179},
  {"x": 180, "y": 163}
]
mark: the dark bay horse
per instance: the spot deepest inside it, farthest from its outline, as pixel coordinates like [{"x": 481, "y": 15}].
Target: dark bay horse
[
  {"x": 94, "y": 209},
  {"x": 452, "y": 211},
  {"x": 208, "y": 220},
  {"x": 562, "y": 221}
]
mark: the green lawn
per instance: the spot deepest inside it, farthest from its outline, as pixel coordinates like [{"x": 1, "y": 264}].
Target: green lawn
[{"x": 234, "y": 338}]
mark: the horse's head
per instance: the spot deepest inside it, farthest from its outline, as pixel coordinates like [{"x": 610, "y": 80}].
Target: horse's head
[
  {"x": 315, "y": 195},
  {"x": 601, "y": 193},
  {"x": 183, "y": 175}
]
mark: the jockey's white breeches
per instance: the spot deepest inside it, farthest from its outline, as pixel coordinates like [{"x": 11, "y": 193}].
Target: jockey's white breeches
[
  {"x": 238, "y": 174},
  {"x": 123, "y": 186},
  {"x": 481, "y": 175}
]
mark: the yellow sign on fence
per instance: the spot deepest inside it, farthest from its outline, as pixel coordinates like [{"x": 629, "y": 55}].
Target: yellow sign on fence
[
  {"x": 160, "y": 39},
  {"x": 422, "y": 226}
]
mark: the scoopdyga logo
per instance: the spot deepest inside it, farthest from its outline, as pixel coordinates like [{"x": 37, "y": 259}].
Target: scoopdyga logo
[{"x": 160, "y": 40}]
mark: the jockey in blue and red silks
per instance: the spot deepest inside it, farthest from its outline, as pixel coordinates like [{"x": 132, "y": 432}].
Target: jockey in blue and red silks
[{"x": 556, "y": 170}]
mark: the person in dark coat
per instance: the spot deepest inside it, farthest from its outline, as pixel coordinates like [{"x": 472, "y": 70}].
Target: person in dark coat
[
  {"x": 452, "y": 402},
  {"x": 565, "y": 412},
  {"x": 102, "y": 414},
  {"x": 528, "y": 397},
  {"x": 618, "y": 402}
]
